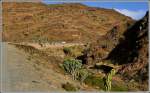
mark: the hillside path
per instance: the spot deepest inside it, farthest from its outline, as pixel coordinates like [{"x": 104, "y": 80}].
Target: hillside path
[
  {"x": 47, "y": 45},
  {"x": 20, "y": 74}
]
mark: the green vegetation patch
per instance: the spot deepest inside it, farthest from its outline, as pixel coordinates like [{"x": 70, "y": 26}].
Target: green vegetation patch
[
  {"x": 118, "y": 86},
  {"x": 67, "y": 50},
  {"x": 98, "y": 82},
  {"x": 69, "y": 87},
  {"x": 94, "y": 81},
  {"x": 73, "y": 51}
]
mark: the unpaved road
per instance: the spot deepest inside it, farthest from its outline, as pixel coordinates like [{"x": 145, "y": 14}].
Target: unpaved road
[
  {"x": 21, "y": 74},
  {"x": 47, "y": 45}
]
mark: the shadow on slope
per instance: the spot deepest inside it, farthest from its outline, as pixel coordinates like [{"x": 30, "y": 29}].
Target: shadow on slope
[{"x": 128, "y": 48}]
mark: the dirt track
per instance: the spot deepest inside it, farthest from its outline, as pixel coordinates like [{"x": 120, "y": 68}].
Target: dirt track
[
  {"x": 21, "y": 74},
  {"x": 47, "y": 45}
]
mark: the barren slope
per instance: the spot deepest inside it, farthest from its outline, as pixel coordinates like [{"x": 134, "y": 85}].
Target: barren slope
[
  {"x": 22, "y": 73},
  {"x": 72, "y": 22}
]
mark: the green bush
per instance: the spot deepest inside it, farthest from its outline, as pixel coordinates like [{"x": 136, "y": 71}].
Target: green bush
[
  {"x": 72, "y": 66},
  {"x": 73, "y": 51},
  {"x": 99, "y": 82},
  {"x": 82, "y": 75},
  {"x": 67, "y": 50},
  {"x": 94, "y": 81},
  {"x": 69, "y": 87}
]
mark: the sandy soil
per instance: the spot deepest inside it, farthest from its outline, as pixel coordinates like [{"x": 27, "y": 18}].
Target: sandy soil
[{"x": 21, "y": 74}]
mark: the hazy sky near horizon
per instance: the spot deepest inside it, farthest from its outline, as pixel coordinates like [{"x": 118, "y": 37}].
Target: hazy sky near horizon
[{"x": 135, "y": 10}]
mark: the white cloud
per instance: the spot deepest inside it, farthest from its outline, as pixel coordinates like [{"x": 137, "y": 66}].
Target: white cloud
[{"x": 133, "y": 14}]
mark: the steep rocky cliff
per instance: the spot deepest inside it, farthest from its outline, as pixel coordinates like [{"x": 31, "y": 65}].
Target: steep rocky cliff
[{"x": 129, "y": 50}]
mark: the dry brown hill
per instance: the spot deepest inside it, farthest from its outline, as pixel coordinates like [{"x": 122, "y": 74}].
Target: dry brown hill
[{"x": 71, "y": 22}]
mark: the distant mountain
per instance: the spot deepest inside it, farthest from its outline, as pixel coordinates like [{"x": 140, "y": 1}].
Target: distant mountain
[{"x": 71, "y": 22}]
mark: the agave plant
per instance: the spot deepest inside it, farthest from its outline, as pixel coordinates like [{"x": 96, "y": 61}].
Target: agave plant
[{"x": 72, "y": 66}]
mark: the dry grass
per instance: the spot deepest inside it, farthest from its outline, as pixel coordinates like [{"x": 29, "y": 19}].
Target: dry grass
[
  {"x": 41, "y": 57},
  {"x": 66, "y": 22}
]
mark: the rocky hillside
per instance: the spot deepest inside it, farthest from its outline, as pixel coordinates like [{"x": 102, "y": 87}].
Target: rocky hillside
[
  {"x": 132, "y": 53},
  {"x": 129, "y": 50},
  {"x": 99, "y": 50},
  {"x": 134, "y": 56},
  {"x": 71, "y": 22}
]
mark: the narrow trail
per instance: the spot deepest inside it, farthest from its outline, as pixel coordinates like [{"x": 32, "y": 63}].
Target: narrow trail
[
  {"x": 47, "y": 45},
  {"x": 21, "y": 74}
]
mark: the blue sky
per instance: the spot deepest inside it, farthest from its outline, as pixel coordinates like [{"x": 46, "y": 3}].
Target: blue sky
[{"x": 136, "y": 10}]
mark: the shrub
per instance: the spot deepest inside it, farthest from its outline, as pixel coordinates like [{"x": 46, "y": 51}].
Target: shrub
[
  {"x": 73, "y": 51},
  {"x": 72, "y": 66},
  {"x": 69, "y": 87},
  {"x": 67, "y": 50},
  {"x": 82, "y": 75},
  {"x": 94, "y": 81}
]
